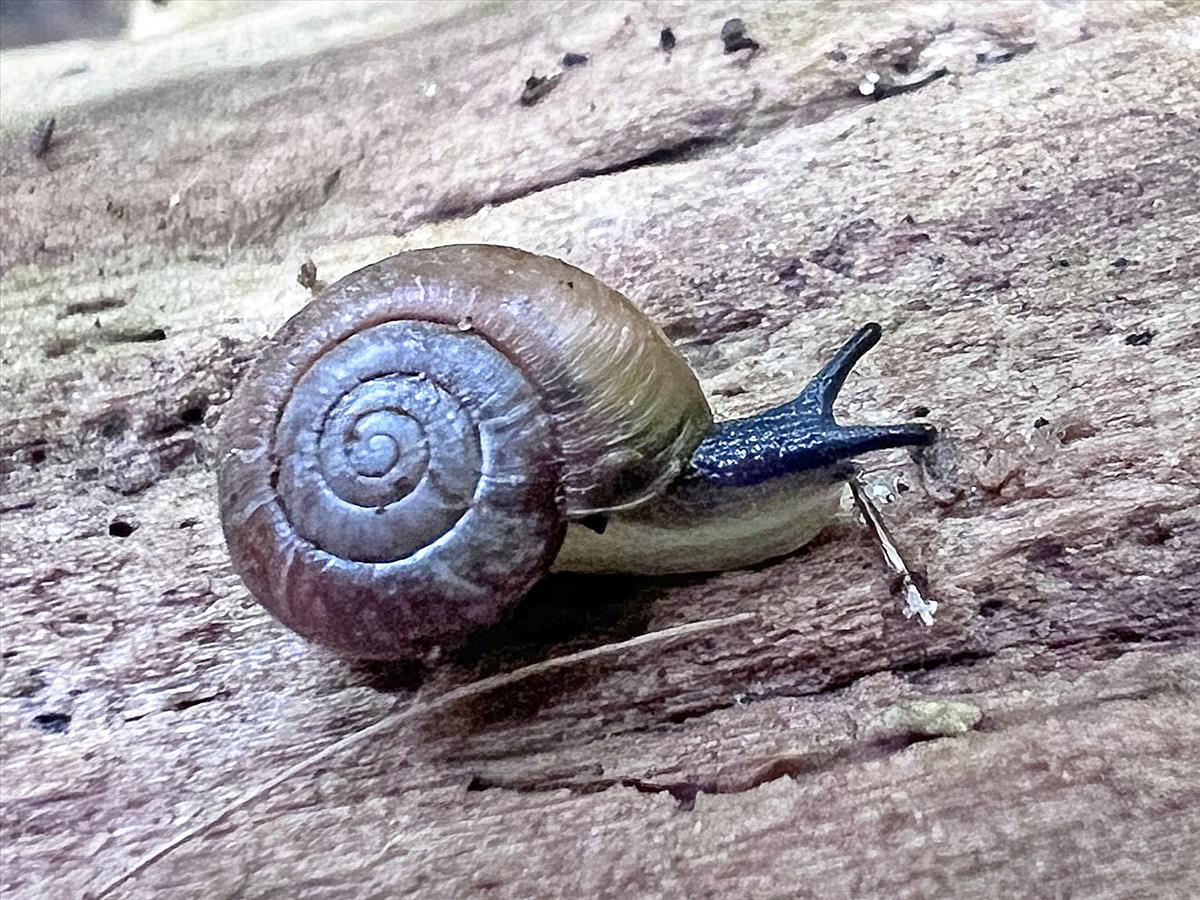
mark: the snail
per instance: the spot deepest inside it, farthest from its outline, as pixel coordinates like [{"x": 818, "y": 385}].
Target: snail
[{"x": 435, "y": 432}]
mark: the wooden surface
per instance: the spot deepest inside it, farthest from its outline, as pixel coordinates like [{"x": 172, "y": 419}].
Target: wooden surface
[{"x": 1026, "y": 229}]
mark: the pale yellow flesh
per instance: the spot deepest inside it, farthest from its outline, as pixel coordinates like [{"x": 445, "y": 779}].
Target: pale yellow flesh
[{"x": 698, "y": 529}]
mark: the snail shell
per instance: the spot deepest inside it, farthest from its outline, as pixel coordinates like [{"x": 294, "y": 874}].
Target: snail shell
[{"x": 402, "y": 461}]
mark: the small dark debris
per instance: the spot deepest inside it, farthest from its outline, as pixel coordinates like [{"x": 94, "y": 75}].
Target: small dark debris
[
  {"x": 53, "y": 723},
  {"x": 37, "y": 456},
  {"x": 734, "y": 37},
  {"x": 1139, "y": 338},
  {"x": 880, "y": 86},
  {"x": 136, "y": 336},
  {"x": 188, "y": 523},
  {"x": 121, "y": 529},
  {"x": 477, "y": 784},
  {"x": 41, "y": 139},
  {"x": 308, "y": 276},
  {"x": 838, "y": 56},
  {"x": 920, "y": 412},
  {"x": 666, "y": 40},
  {"x": 537, "y": 87},
  {"x": 1040, "y": 422},
  {"x": 1064, "y": 263},
  {"x": 570, "y": 60},
  {"x": 1120, "y": 262}
]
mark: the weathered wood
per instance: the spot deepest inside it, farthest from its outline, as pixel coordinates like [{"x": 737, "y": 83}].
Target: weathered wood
[{"x": 1027, "y": 230}]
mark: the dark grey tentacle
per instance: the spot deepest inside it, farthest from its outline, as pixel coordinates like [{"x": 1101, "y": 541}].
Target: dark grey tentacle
[
  {"x": 802, "y": 434},
  {"x": 818, "y": 395}
]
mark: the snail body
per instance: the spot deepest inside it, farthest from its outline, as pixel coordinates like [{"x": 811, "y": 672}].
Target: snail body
[{"x": 425, "y": 440}]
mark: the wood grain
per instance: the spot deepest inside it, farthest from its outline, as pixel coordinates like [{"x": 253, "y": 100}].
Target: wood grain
[{"x": 1025, "y": 228}]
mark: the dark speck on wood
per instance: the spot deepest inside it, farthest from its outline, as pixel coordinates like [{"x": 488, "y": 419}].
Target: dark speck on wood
[
  {"x": 42, "y": 138},
  {"x": 307, "y": 277},
  {"x": 733, "y": 35},
  {"x": 53, "y": 722},
  {"x": 121, "y": 529},
  {"x": 666, "y": 40},
  {"x": 574, "y": 59},
  {"x": 1139, "y": 338},
  {"x": 537, "y": 87},
  {"x": 880, "y": 85}
]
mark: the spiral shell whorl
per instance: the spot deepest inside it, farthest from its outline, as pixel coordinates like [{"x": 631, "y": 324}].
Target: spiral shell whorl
[
  {"x": 380, "y": 443},
  {"x": 403, "y": 495}
]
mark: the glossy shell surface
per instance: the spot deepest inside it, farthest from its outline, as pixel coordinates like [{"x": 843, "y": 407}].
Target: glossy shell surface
[{"x": 401, "y": 462}]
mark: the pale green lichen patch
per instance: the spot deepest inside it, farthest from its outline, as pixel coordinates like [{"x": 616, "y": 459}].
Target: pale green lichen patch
[{"x": 930, "y": 718}]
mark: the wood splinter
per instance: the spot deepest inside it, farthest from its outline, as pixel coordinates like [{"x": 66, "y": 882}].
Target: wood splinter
[{"x": 915, "y": 603}]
